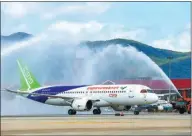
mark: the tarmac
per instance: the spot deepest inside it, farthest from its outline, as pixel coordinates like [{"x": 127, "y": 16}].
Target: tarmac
[{"x": 108, "y": 124}]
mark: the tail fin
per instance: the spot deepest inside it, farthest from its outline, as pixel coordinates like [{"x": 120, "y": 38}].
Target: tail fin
[{"x": 27, "y": 79}]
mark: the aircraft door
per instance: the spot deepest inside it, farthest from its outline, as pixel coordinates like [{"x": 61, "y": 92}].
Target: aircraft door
[
  {"x": 130, "y": 93},
  {"x": 144, "y": 93}
]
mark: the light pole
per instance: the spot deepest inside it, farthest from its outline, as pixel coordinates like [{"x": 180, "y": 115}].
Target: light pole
[{"x": 170, "y": 58}]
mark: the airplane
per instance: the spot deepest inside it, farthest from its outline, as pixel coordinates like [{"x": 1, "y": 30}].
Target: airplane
[{"x": 84, "y": 97}]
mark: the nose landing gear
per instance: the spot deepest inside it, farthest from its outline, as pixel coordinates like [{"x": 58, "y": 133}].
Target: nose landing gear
[{"x": 136, "y": 112}]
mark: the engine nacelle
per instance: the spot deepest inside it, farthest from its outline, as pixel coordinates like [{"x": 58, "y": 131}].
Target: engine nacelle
[
  {"x": 82, "y": 104},
  {"x": 121, "y": 108}
]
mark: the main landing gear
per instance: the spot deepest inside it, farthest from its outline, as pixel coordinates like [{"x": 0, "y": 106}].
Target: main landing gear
[
  {"x": 71, "y": 112},
  {"x": 96, "y": 111}
]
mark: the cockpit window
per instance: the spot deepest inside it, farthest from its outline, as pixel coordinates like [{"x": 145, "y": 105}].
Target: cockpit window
[
  {"x": 150, "y": 91},
  {"x": 143, "y": 91},
  {"x": 146, "y": 91}
]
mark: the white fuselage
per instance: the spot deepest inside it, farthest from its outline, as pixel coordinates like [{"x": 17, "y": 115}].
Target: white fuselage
[{"x": 107, "y": 95}]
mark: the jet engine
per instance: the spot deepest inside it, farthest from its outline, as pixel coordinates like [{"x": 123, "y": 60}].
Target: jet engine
[
  {"x": 82, "y": 104},
  {"x": 121, "y": 108}
]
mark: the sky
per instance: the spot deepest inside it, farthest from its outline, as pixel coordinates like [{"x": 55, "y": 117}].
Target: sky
[{"x": 164, "y": 25}]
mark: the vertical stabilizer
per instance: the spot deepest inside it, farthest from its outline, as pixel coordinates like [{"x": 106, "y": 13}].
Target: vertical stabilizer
[{"x": 27, "y": 79}]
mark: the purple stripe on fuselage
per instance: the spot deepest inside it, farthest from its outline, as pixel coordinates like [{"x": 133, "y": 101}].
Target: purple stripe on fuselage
[{"x": 53, "y": 90}]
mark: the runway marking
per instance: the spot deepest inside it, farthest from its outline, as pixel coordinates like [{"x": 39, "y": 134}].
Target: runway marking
[
  {"x": 105, "y": 125},
  {"x": 48, "y": 130},
  {"x": 83, "y": 122}
]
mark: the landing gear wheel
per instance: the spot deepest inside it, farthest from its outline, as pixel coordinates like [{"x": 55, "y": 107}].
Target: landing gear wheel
[
  {"x": 99, "y": 111},
  {"x": 181, "y": 111},
  {"x": 71, "y": 112},
  {"x": 74, "y": 112},
  {"x": 96, "y": 111},
  {"x": 136, "y": 112}
]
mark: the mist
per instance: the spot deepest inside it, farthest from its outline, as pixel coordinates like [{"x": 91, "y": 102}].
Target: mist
[{"x": 54, "y": 61}]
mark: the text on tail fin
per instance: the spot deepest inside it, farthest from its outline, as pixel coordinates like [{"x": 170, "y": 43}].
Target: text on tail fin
[{"x": 27, "y": 79}]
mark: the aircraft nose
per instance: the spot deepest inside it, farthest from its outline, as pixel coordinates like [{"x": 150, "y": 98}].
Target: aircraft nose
[{"x": 153, "y": 98}]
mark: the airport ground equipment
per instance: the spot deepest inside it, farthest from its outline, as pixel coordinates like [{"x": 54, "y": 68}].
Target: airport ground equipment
[{"x": 182, "y": 106}]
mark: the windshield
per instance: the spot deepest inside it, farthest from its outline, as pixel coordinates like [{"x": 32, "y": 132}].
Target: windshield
[
  {"x": 150, "y": 91},
  {"x": 146, "y": 91}
]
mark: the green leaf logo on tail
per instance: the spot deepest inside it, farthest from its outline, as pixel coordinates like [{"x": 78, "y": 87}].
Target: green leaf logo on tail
[{"x": 27, "y": 79}]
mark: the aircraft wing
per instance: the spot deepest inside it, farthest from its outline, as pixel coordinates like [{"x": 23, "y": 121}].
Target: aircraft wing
[{"x": 50, "y": 96}]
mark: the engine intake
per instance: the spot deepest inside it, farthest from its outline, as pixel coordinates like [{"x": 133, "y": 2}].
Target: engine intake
[
  {"x": 82, "y": 104},
  {"x": 127, "y": 107}
]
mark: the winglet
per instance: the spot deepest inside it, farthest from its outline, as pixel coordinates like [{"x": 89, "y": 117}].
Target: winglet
[{"x": 27, "y": 79}]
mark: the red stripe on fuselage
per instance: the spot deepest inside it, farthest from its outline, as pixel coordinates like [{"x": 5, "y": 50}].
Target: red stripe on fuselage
[{"x": 102, "y": 88}]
